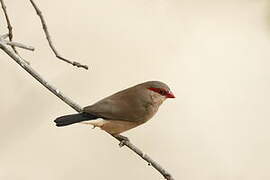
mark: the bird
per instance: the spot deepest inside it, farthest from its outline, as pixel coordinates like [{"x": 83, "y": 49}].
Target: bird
[{"x": 123, "y": 110}]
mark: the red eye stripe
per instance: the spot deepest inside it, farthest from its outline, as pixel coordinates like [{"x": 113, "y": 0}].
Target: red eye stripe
[{"x": 161, "y": 91}]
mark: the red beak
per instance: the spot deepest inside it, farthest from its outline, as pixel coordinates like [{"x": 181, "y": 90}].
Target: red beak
[{"x": 170, "y": 95}]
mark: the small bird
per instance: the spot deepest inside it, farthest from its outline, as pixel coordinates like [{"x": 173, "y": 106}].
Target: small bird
[{"x": 123, "y": 110}]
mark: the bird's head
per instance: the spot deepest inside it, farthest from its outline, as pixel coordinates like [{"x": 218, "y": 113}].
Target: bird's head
[
  {"x": 157, "y": 90},
  {"x": 160, "y": 88}
]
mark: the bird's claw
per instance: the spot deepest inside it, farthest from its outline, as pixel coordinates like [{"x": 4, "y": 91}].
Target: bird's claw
[
  {"x": 122, "y": 143},
  {"x": 123, "y": 140}
]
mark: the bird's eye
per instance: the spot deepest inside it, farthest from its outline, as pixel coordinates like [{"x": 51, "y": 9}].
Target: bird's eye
[{"x": 162, "y": 92}]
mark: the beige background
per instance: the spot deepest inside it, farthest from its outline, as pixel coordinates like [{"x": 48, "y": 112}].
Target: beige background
[{"x": 215, "y": 55}]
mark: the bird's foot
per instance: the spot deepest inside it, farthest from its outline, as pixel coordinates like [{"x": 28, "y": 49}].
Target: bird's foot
[{"x": 122, "y": 139}]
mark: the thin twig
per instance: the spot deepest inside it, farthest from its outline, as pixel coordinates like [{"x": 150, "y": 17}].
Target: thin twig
[
  {"x": 10, "y": 33},
  {"x": 48, "y": 36},
  {"x": 15, "y": 44},
  {"x": 78, "y": 108},
  {"x": 20, "y": 45}
]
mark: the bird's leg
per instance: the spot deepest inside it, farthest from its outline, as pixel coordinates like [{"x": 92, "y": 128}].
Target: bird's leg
[{"x": 122, "y": 139}]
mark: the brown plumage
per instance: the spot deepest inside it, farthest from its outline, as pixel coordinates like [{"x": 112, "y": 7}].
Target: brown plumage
[{"x": 123, "y": 110}]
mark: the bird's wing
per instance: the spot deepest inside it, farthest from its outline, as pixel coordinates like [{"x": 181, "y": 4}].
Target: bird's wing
[{"x": 121, "y": 106}]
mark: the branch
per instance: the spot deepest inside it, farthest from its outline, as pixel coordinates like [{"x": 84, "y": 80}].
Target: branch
[
  {"x": 147, "y": 158},
  {"x": 78, "y": 108},
  {"x": 48, "y": 36},
  {"x": 10, "y": 33},
  {"x": 20, "y": 45}
]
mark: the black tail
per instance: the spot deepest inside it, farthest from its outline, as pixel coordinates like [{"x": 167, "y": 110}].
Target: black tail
[{"x": 73, "y": 118}]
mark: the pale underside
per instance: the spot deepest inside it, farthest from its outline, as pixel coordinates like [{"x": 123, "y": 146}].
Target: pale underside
[{"x": 112, "y": 126}]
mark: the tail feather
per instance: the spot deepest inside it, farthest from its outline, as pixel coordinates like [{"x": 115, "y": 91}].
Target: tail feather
[{"x": 73, "y": 118}]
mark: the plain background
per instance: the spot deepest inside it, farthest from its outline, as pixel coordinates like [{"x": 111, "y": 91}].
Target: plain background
[{"x": 215, "y": 55}]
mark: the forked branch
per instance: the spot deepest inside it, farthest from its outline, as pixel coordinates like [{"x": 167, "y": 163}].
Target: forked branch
[
  {"x": 4, "y": 45},
  {"x": 10, "y": 33},
  {"x": 49, "y": 39}
]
